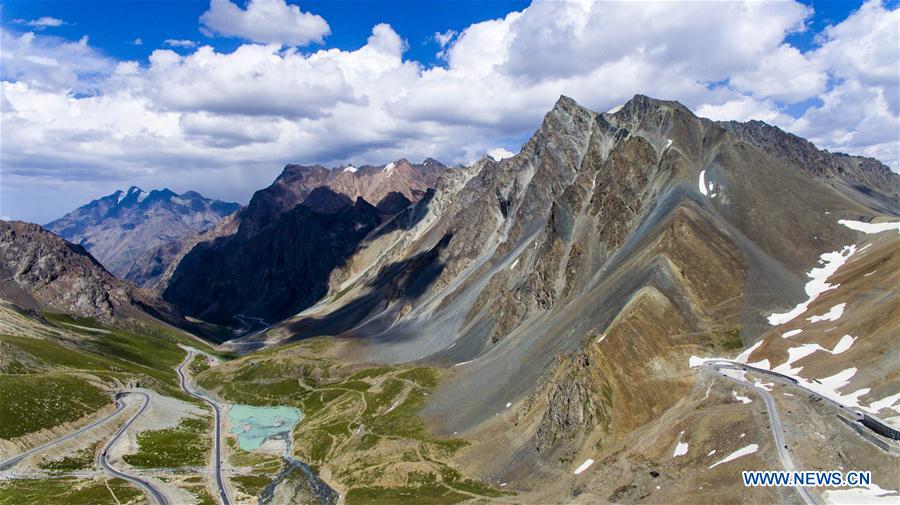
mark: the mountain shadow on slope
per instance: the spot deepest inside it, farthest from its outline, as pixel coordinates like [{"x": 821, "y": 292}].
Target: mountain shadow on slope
[
  {"x": 395, "y": 287},
  {"x": 282, "y": 270}
]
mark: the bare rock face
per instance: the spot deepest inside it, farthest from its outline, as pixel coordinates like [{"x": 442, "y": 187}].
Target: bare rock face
[
  {"x": 577, "y": 401},
  {"x": 41, "y": 270},
  {"x": 279, "y": 254},
  {"x": 136, "y": 235},
  {"x": 371, "y": 183}
]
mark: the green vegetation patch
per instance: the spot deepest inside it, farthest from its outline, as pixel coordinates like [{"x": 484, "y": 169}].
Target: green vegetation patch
[
  {"x": 199, "y": 365},
  {"x": 420, "y": 495},
  {"x": 55, "y": 354},
  {"x": 369, "y": 417},
  {"x": 80, "y": 460},
  {"x": 69, "y": 491},
  {"x": 202, "y": 495},
  {"x": 35, "y": 402},
  {"x": 251, "y": 484},
  {"x": 724, "y": 339},
  {"x": 188, "y": 444}
]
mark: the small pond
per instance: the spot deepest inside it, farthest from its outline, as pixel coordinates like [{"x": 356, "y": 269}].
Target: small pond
[{"x": 253, "y": 425}]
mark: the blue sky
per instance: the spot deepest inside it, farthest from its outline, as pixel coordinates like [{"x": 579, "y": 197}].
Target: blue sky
[
  {"x": 219, "y": 95},
  {"x": 114, "y": 25}
]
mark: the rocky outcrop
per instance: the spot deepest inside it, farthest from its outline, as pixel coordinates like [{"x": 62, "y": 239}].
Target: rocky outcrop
[
  {"x": 43, "y": 271},
  {"x": 574, "y": 403},
  {"x": 374, "y": 184},
  {"x": 136, "y": 234}
]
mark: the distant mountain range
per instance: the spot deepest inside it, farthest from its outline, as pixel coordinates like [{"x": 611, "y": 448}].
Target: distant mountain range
[{"x": 135, "y": 234}]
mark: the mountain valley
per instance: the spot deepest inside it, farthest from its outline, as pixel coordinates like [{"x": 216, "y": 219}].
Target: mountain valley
[{"x": 634, "y": 308}]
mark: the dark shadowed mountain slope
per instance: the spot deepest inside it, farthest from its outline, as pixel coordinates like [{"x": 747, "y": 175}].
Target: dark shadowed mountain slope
[
  {"x": 135, "y": 234},
  {"x": 294, "y": 279},
  {"x": 278, "y": 272}
]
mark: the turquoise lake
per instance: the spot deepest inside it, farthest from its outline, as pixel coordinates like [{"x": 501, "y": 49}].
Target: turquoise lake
[{"x": 253, "y": 425}]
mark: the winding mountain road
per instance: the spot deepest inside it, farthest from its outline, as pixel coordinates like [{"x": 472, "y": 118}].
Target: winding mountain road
[
  {"x": 11, "y": 462},
  {"x": 777, "y": 431},
  {"x": 103, "y": 459},
  {"x": 217, "y": 446}
]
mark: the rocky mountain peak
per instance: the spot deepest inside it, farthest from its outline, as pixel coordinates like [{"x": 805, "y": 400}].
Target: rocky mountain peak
[{"x": 125, "y": 230}]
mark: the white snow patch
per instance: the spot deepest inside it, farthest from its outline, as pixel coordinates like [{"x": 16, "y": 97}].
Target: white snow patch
[
  {"x": 702, "y": 183},
  {"x": 742, "y": 399},
  {"x": 828, "y": 387},
  {"x": 742, "y": 357},
  {"x": 798, "y": 353},
  {"x": 351, "y": 169},
  {"x": 884, "y": 403},
  {"x": 763, "y": 385},
  {"x": 750, "y": 449},
  {"x": 514, "y": 263},
  {"x": 870, "y": 273},
  {"x": 832, "y": 315},
  {"x": 789, "y": 334},
  {"x": 761, "y": 364},
  {"x": 508, "y": 404},
  {"x": 872, "y": 494},
  {"x": 668, "y": 144},
  {"x": 601, "y": 338},
  {"x": 843, "y": 344},
  {"x": 584, "y": 466},
  {"x": 615, "y": 109},
  {"x": 869, "y": 227},
  {"x": 831, "y": 262},
  {"x": 682, "y": 447},
  {"x": 389, "y": 168},
  {"x": 464, "y": 362},
  {"x": 710, "y": 453},
  {"x": 742, "y": 435},
  {"x": 695, "y": 361}
]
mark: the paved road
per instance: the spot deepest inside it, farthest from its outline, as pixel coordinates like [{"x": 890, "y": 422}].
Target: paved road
[
  {"x": 9, "y": 463},
  {"x": 790, "y": 381},
  {"x": 217, "y": 450},
  {"x": 777, "y": 431},
  {"x": 103, "y": 459}
]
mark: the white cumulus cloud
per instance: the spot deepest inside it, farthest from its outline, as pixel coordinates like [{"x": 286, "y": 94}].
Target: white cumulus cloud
[
  {"x": 180, "y": 43},
  {"x": 265, "y": 21}
]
